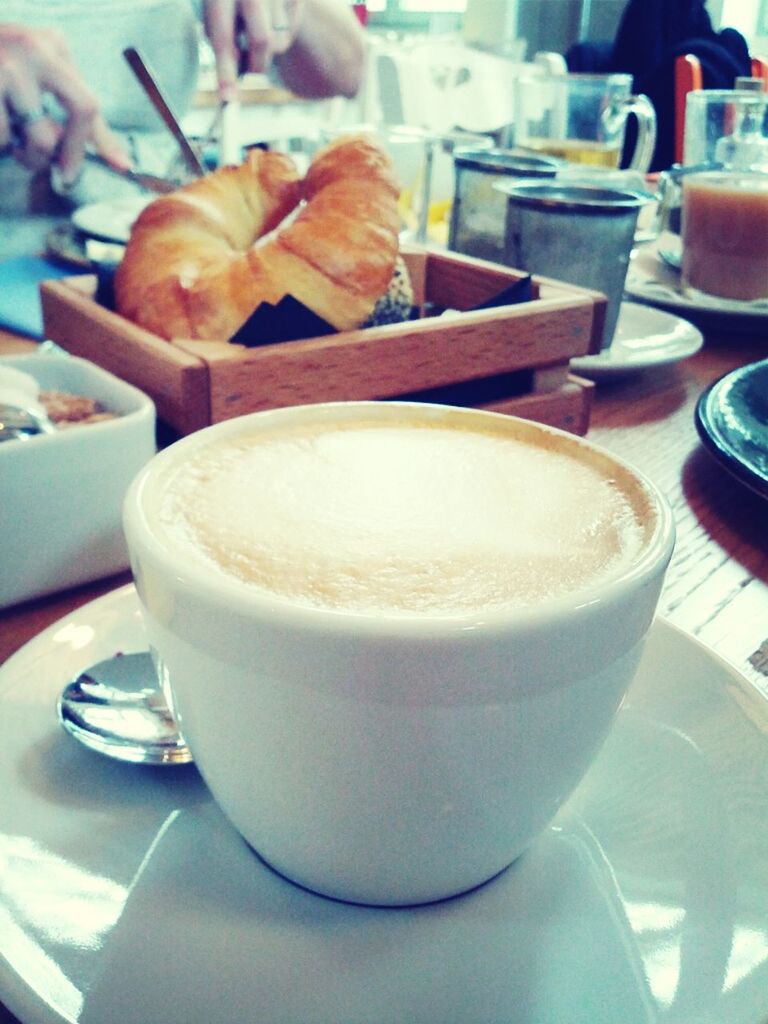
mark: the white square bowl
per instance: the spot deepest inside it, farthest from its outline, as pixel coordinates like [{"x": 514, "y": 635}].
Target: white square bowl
[{"x": 61, "y": 494}]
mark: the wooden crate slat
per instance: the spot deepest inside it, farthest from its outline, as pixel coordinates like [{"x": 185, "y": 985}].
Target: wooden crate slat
[
  {"x": 176, "y": 380},
  {"x": 556, "y": 289},
  {"x": 567, "y": 408},
  {"x": 462, "y": 282},
  {"x": 394, "y": 360}
]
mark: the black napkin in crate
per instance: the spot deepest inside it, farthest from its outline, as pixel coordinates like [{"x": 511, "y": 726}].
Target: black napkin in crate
[
  {"x": 520, "y": 291},
  {"x": 291, "y": 320},
  {"x": 513, "y": 295},
  {"x": 287, "y": 320}
]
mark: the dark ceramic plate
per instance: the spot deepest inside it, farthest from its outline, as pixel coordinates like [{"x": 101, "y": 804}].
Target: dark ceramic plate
[{"x": 732, "y": 420}]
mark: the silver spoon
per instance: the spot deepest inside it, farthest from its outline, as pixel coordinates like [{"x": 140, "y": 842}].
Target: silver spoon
[
  {"x": 116, "y": 708},
  {"x": 674, "y": 260},
  {"x": 18, "y": 422}
]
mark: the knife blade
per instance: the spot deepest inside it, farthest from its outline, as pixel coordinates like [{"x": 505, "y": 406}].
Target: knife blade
[
  {"x": 151, "y": 182},
  {"x": 149, "y": 84}
]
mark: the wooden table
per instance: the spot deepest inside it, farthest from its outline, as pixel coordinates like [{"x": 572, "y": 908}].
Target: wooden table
[{"x": 717, "y": 585}]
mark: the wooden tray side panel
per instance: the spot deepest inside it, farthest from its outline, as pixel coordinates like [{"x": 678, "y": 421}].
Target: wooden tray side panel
[
  {"x": 461, "y": 282},
  {"x": 176, "y": 380},
  {"x": 567, "y": 407},
  {"x": 485, "y": 356},
  {"x": 549, "y": 289},
  {"x": 394, "y": 360}
]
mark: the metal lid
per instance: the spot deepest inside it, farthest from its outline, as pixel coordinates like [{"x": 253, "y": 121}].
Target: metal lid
[
  {"x": 574, "y": 198},
  {"x": 747, "y": 83},
  {"x": 505, "y": 161}
]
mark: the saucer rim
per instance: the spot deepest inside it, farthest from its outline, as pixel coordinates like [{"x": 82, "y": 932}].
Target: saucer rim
[
  {"x": 638, "y": 281},
  {"x": 603, "y": 365},
  {"x": 733, "y": 688}
]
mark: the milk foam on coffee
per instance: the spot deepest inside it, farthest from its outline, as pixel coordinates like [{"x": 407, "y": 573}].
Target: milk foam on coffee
[{"x": 411, "y": 517}]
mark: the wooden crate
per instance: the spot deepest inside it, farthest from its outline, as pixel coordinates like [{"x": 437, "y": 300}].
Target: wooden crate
[{"x": 510, "y": 359}]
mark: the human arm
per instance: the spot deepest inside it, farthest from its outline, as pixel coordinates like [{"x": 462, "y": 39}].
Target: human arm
[
  {"x": 327, "y": 55},
  {"x": 317, "y": 45},
  {"x": 35, "y": 64}
]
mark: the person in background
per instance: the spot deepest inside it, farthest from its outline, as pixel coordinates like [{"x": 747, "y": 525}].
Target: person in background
[
  {"x": 64, "y": 85},
  {"x": 317, "y": 46},
  {"x": 651, "y": 35}
]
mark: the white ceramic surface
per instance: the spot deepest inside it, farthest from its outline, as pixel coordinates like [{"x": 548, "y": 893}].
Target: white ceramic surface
[
  {"x": 389, "y": 759},
  {"x": 652, "y": 280},
  {"x": 61, "y": 494},
  {"x": 645, "y": 338},
  {"x": 110, "y": 219},
  {"x": 124, "y": 890}
]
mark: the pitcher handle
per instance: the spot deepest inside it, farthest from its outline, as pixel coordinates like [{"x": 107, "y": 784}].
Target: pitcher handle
[{"x": 645, "y": 113}]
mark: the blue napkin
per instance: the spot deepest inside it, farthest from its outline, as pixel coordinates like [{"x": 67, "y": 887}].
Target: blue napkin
[{"x": 20, "y": 308}]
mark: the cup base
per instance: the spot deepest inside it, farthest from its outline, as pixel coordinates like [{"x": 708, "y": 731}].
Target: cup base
[
  {"x": 382, "y": 902},
  {"x": 722, "y": 302}
]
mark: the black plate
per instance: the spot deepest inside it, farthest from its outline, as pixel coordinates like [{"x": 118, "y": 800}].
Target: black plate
[{"x": 732, "y": 421}]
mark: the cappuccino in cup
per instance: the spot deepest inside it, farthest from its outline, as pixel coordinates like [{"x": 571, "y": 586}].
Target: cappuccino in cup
[
  {"x": 394, "y": 635},
  {"x": 403, "y": 516}
]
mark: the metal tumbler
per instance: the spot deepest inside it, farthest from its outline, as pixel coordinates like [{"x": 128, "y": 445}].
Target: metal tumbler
[
  {"x": 478, "y": 212},
  {"x": 581, "y": 234}
]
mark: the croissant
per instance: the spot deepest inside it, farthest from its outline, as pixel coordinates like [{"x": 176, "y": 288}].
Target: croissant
[{"x": 200, "y": 260}]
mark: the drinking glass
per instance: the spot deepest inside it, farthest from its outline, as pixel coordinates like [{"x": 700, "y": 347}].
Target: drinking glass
[
  {"x": 582, "y": 119},
  {"x": 726, "y": 127},
  {"x": 725, "y": 235},
  {"x": 582, "y": 234},
  {"x": 423, "y": 162},
  {"x": 725, "y": 130}
]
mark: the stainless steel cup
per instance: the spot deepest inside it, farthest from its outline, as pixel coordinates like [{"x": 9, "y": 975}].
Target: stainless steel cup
[
  {"x": 575, "y": 233},
  {"x": 478, "y": 212}
]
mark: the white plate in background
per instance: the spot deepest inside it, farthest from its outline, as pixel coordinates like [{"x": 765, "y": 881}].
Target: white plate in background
[
  {"x": 111, "y": 219},
  {"x": 645, "y": 338}
]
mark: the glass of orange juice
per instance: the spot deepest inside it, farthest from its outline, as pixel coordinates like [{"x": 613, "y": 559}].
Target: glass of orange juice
[{"x": 725, "y": 235}]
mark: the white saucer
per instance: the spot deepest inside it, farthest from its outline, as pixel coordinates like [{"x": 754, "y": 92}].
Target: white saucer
[
  {"x": 645, "y": 338},
  {"x": 111, "y": 219},
  {"x": 652, "y": 279},
  {"x": 125, "y": 895}
]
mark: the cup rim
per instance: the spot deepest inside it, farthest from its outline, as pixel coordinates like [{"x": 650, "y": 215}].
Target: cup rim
[
  {"x": 722, "y": 176},
  {"x": 564, "y": 196},
  {"x": 580, "y": 76},
  {"x": 498, "y": 159},
  {"x": 222, "y": 590},
  {"x": 725, "y": 95}
]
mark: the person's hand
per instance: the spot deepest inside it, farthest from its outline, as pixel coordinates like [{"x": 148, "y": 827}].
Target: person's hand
[
  {"x": 35, "y": 63},
  {"x": 246, "y": 34}
]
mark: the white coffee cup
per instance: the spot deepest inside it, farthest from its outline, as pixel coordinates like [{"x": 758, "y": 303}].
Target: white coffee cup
[{"x": 390, "y": 755}]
